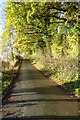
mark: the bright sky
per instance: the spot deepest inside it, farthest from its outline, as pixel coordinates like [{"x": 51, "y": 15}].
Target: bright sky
[
  {"x": 2, "y": 21},
  {"x": 2, "y": 15}
]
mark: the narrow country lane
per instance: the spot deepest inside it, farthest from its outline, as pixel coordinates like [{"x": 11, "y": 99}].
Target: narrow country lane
[{"x": 35, "y": 97}]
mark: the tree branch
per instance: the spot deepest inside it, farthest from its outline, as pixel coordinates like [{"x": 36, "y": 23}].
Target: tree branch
[{"x": 57, "y": 8}]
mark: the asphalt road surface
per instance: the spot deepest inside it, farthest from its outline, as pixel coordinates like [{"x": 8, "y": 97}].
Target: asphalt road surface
[{"x": 35, "y": 97}]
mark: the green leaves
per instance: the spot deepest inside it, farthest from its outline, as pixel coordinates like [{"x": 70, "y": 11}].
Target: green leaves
[{"x": 34, "y": 20}]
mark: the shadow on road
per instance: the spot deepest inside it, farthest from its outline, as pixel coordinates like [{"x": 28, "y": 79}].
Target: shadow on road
[
  {"x": 48, "y": 90},
  {"x": 44, "y": 118},
  {"x": 42, "y": 91},
  {"x": 42, "y": 100}
]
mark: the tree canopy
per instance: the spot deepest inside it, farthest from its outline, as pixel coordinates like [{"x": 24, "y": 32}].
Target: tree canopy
[{"x": 39, "y": 24}]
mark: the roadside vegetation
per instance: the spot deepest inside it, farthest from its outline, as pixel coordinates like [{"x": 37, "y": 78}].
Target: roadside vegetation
[{"x": 9, "y": 74}]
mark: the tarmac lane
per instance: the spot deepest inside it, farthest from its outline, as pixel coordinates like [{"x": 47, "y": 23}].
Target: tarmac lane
[{"x": 35, "y": 97}]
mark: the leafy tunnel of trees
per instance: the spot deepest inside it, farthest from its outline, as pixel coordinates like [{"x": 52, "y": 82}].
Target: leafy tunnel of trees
[{"x": 48, "y": 33}]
